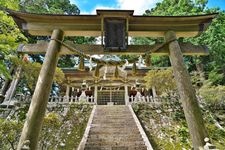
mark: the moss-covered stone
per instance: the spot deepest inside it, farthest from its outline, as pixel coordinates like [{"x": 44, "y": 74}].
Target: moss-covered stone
[{"x": 166, "y": 127}]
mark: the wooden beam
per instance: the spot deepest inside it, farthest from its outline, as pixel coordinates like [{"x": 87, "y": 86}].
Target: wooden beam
[
  {"x": 90, "y": 25},
  {"x": 41, "y": 46},
  {"x": 187, "y": 94}
]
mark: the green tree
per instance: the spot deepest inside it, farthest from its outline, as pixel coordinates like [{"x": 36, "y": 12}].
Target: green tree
[
  {"x": 212, "y": 95},
  {"x": 10, "y": 35},
  {"x": 49, "y": 7},
  {"x": 213, "y": 38},
  {"x": 162, "y": 80},
  {"x": 178, "y": 8},
  {"x": 9, "y": 133},
  {"x": 31, "y": 71}
]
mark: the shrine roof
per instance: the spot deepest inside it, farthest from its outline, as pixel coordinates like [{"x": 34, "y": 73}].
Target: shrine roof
[{"x": 91, "y": 25}]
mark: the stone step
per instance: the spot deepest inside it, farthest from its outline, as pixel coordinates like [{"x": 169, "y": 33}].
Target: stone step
[
  {"x": 108, "y": 122},
  {"x": 100, "y": 117},
  {"x": 112, "y": 115},
  {"x": 109, "y": 110},
  {"x": 109, "y": 129},
  {"x": 116, "y": 136},
  {"x": 113, "y": 143},
  {"x": 115, "y": 148},
  {"x": 114, "y": 128},
  {"x": 116, "y": 118},
  {"x": 114, "y": 125},
  {"x": 114, "y": 132}
]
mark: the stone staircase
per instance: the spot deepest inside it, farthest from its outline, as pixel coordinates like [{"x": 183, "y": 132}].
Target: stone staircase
[{"x": 113, "y": 128}]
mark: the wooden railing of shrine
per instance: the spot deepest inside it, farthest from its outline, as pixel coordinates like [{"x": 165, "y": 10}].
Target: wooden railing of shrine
[
  {"x": 26, "y": 99},
  {"x": 72, "y": 99},
  {"x": 152, "y": 100},
  {"x": 23, "y": 99}
]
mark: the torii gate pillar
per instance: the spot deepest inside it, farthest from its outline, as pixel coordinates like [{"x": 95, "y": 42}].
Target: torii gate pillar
[
  {"x": 41, "y": 94},
  {"x": 187, "y": 93}
]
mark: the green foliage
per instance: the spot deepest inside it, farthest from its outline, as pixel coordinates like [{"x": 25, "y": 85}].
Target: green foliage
[
  {"x": 178, "y": 8},
  {"x": 49, "y": 6},
  {"x": 166, "y": 127},
  {"x": 22, "y": 112},
  {"x": 163, "y": 131},
  {"x": 214, "y": 39},
  {"x": 197, "y": 79},
  {"x": 59, "y": 131},
  {"x": 65, "y": 132},
  {"x": 211, "y": 94},
  {"x": 31, "y": 72},
  {"x": 142, "y": 41},
  {"x": 10, "y": 35},
  {"x": 77, "y": 116},
  {"x": 217, "y": 136},
  {"x": 9, "y": 133},
  {"x": 51, "y": 126},
  {"x": 215, "y": 77},
  {"x": 162, "y": 80}
]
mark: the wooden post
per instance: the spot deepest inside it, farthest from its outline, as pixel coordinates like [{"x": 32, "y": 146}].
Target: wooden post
[
  {"x": 96, "y": 94},
  {"x": 126, "y": 95},
  {"x": 67, "y": 93},
  {"x": 187, "y": 93},
  {"x": 41, "y": 94},
  {"x": 154, "y": 95}
]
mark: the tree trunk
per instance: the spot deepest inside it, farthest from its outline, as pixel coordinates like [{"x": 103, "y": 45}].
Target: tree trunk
[
  {"x": 12, "y": 89},
  {"x": 33, "y": 124},
  {"x": 7, "y": 82},
  {"x": 189, "y": 101}
]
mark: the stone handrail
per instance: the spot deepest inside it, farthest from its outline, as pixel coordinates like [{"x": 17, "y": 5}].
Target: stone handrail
[
  {"x": 20, "y": 99},
  {"x": 72, "y": 99},
  {"x": 150, "y": 99}
]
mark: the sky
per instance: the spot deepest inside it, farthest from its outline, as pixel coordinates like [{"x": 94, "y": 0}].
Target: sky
[{"x": 139, "y": 6}]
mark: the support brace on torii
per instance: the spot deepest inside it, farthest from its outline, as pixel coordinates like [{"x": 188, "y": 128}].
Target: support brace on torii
[{"x": 169, "y": 27}]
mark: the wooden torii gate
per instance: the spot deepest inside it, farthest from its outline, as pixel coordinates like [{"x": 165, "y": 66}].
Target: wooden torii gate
[{"x": 58, "y": 26}]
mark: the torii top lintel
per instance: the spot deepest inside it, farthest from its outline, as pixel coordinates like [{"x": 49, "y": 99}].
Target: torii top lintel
[{"x": 90, "y": 25}]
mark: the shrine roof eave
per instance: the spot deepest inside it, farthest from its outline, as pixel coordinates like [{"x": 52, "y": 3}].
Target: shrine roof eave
[{"x": 90, "y": 25}]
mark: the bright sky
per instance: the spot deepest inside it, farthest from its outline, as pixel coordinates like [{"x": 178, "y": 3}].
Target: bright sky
[{"x": 139, "y": 6}]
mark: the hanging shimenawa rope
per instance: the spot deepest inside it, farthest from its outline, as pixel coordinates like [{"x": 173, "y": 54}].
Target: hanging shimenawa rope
[
  {"x": 113, "y": 63},
  {"x": 134, "y": 69},
  {"x": 81, "y": 66},
  {"x": 96, "y": 73},
  {"x": 116, "y": 73},
  {"x": 148, "y": 61},
  {"x": 98, "y": 61},
  {"x": 160, "y": 46}
]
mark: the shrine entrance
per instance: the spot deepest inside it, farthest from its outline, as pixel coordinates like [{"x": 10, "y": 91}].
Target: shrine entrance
[
  {"x": 111, "y": 96},
  {"x": 114, "y": 27}
]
